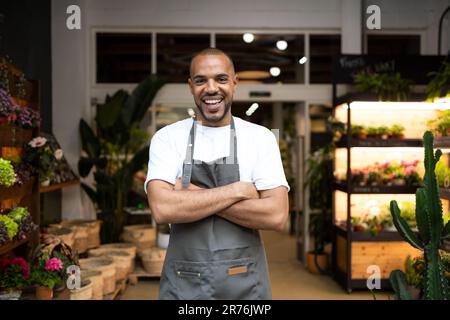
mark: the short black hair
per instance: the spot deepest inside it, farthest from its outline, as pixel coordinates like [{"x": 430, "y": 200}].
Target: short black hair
[{"x": 212, "y": 52}]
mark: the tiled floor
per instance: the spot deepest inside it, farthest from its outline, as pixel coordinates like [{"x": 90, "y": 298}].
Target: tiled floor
[{"x": 289, "y": 279}]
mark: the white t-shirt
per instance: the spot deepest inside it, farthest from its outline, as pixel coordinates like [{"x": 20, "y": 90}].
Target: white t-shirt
[{"x": 257, "y": 152}]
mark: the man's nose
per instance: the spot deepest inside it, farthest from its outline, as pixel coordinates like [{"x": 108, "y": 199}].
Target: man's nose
[{"x": 211, "y": 86}]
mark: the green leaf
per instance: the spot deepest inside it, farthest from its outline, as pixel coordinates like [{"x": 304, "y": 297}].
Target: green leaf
[
  {"x": 446, "y": 231},
  {"x": 84, "y": 166},
  {"x": 140, "y": 100},
  {"x": 89, "y": 141},
  {"x": 403, "y": 227},
  {"x": 90, "y": 192},
  {"x": 109, "y": 112},
  {"x": 399, "y": 285}
]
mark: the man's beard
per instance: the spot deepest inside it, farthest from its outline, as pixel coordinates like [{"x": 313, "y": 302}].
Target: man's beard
[{"x": 215, "y": 120}]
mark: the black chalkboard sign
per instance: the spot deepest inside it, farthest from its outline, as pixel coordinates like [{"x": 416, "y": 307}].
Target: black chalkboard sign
[{"x": 415, "y": 68}]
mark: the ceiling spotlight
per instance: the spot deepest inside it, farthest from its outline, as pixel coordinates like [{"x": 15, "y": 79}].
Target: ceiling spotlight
[
  {"x": 282, "y": 45},
  {"x": 248, "y": 37},
  {"x": 275, "y": 71},
  {"x": 303, "y": 60},
  {"x": 252, "y": 109}
]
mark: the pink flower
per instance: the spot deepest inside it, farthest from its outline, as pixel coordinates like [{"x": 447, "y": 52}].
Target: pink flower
[
  {"x": 37, "y": 142},
  {"x": 409, "y": 170},
  {"x": 53, "y": 264}
]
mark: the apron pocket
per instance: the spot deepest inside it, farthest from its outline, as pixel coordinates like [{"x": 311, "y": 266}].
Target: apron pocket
[
  {"x": 190, "y": 279},
  {"x": 236, "y": 279}
]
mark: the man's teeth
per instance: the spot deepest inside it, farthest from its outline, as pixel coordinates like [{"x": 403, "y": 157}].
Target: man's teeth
[{"x": 212, "y": 101}]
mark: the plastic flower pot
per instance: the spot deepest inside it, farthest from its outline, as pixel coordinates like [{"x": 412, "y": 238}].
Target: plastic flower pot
[{"x": 13, "y": 294}]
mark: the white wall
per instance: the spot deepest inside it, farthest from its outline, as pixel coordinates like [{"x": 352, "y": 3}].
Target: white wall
[{"x": 71, "y": 59}]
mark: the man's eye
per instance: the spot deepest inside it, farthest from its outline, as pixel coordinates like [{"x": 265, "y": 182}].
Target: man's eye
[
  {"x": 223, "y": 80},
  {"x": 199, "y": 81}
]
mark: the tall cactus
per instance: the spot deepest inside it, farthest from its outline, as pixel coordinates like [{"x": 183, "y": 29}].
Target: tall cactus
[{"x": 430, "y": 225}]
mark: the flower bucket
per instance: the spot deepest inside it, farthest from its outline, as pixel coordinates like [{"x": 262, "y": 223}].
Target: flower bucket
[
  {"x": 142, "y": 235},
  {"x": 97, "y": 282},
  {"x": 153, "y": 260},
  {"x": 10, "y": 294},
  {"x": 108, "y": 268},
  {"x": 84, "y": 293}
]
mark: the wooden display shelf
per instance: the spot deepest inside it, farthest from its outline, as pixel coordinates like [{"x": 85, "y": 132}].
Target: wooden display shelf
[
  {"x": 14, "y": 136},
  {"x": 442, "y": 142},
  {"x": 17, "y": 191},
  {"x": 378, "y": 143},
  {"x": 342, "y": 186},
  {"x": 364, "y": 236},
  {"x": 10, "y": 245},
  {"x": 444, "y": 193},
  {"x": 58, "y": 186}
]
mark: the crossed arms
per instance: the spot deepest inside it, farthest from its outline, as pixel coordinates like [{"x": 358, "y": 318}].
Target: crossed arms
[{"x": 238, "y": 202}]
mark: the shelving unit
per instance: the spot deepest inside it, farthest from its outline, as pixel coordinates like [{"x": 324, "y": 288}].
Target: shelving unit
[
  {"x": 13, "y": 138},
  {"x": 354, "y": 252}
]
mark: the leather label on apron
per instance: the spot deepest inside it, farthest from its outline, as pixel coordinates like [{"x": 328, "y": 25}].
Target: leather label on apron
[{"x": 237, "y": 270}]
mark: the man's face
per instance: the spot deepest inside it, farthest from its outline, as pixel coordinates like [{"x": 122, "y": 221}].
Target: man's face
[{"x": 213, "y": 83}]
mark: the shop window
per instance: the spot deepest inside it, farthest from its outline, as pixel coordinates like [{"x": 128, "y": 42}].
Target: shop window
[
  {"x": 123, "y": 57},
  {"x": 393, "y": 44},
  {"x": 174, "y": 53},
  {"x": 253, "y": 61},
  {"x": 322, "y": 50}
]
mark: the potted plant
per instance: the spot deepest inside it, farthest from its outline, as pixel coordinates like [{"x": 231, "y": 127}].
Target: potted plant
[
  {"x": 372, "y": 132},
  {"x": 7, "y": 175},
  {"x": 439, "y": 86},
  {"x": 115, "y": 151},
  {"x": 387, "y": 86},
  {"x": 359, "y": 131},
  {"x": 397, "y": 131},
  {"x": 45, "y": 275},
  {"x": 383, "y": 132},
  {"x": 41, "y": 157},
  {"x": 441, "y": 125},
  {"x": 14, "y": 276},
  {"x": 318, "y": 178},
  {"x": 163, "y": 235}
]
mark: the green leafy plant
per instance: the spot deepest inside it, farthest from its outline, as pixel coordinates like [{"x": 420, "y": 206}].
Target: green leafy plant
[
  {"x": 11, "y": 226},
  {"x": 387, "y": 86},
  {"x": 47, "y": 273},
  {"x": 359, "y": 131},
  {"x": 7, "y": 175},
  {"x": 318, "y": 178},
  {"x": 115, "y": 152},
  {"x": 432, "y": 230},
  {"x": 396, "y": 130},
  {"x": 40, "y": 156},
  {"x": 439, "y": 86},
  {"x": 441, "y": 124}
]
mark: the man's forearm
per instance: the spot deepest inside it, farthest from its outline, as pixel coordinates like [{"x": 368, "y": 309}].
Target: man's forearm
[
  {"x": 183, "y": 206},
  {"x": 267, "y": 213},
  {"x": 254, "y": 214}
]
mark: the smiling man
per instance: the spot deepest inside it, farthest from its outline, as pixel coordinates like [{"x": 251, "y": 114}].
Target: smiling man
[{"x": 217, "y": 180}]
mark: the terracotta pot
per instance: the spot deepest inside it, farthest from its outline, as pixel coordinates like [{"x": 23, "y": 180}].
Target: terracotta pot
[
  {"x": 44, "y": 293},
  {"x": 322, "y": 261}
]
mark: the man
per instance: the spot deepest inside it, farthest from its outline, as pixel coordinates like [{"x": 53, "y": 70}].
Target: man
[{"x": 217, "y": 180}]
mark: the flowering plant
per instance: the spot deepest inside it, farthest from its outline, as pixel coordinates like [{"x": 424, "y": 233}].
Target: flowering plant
[
  {"x": 40, "y": 155},
  {"x": 12, "y": 113},
  {"x": 15, "y": 224},
  {"x": 47, "y": 272},
  {"x": 14, "y": 274}
]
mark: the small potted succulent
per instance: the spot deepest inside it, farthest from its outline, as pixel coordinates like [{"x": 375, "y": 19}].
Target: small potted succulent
[
  {"x": 383, "y": 132},
  {"x": 372, "y": 132},
  {"x": 396, "y": 131},
  {"x": 359, "y": 132},
  {"x": 14, "y": 276}
]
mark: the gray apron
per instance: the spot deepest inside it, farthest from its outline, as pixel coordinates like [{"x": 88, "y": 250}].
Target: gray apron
[{"x": 214, "y": 258}]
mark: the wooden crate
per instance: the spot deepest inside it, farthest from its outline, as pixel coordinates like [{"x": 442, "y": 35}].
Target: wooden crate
[{"x": 387, "y": 255}]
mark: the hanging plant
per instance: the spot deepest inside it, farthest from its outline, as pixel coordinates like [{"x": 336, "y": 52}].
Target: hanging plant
[
  {"x": 387, "y": 86},
  {"x": 439, "y": 86}
]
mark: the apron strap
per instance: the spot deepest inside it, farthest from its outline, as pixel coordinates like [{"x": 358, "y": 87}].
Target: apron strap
[{"x": 189, "y": 159}]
